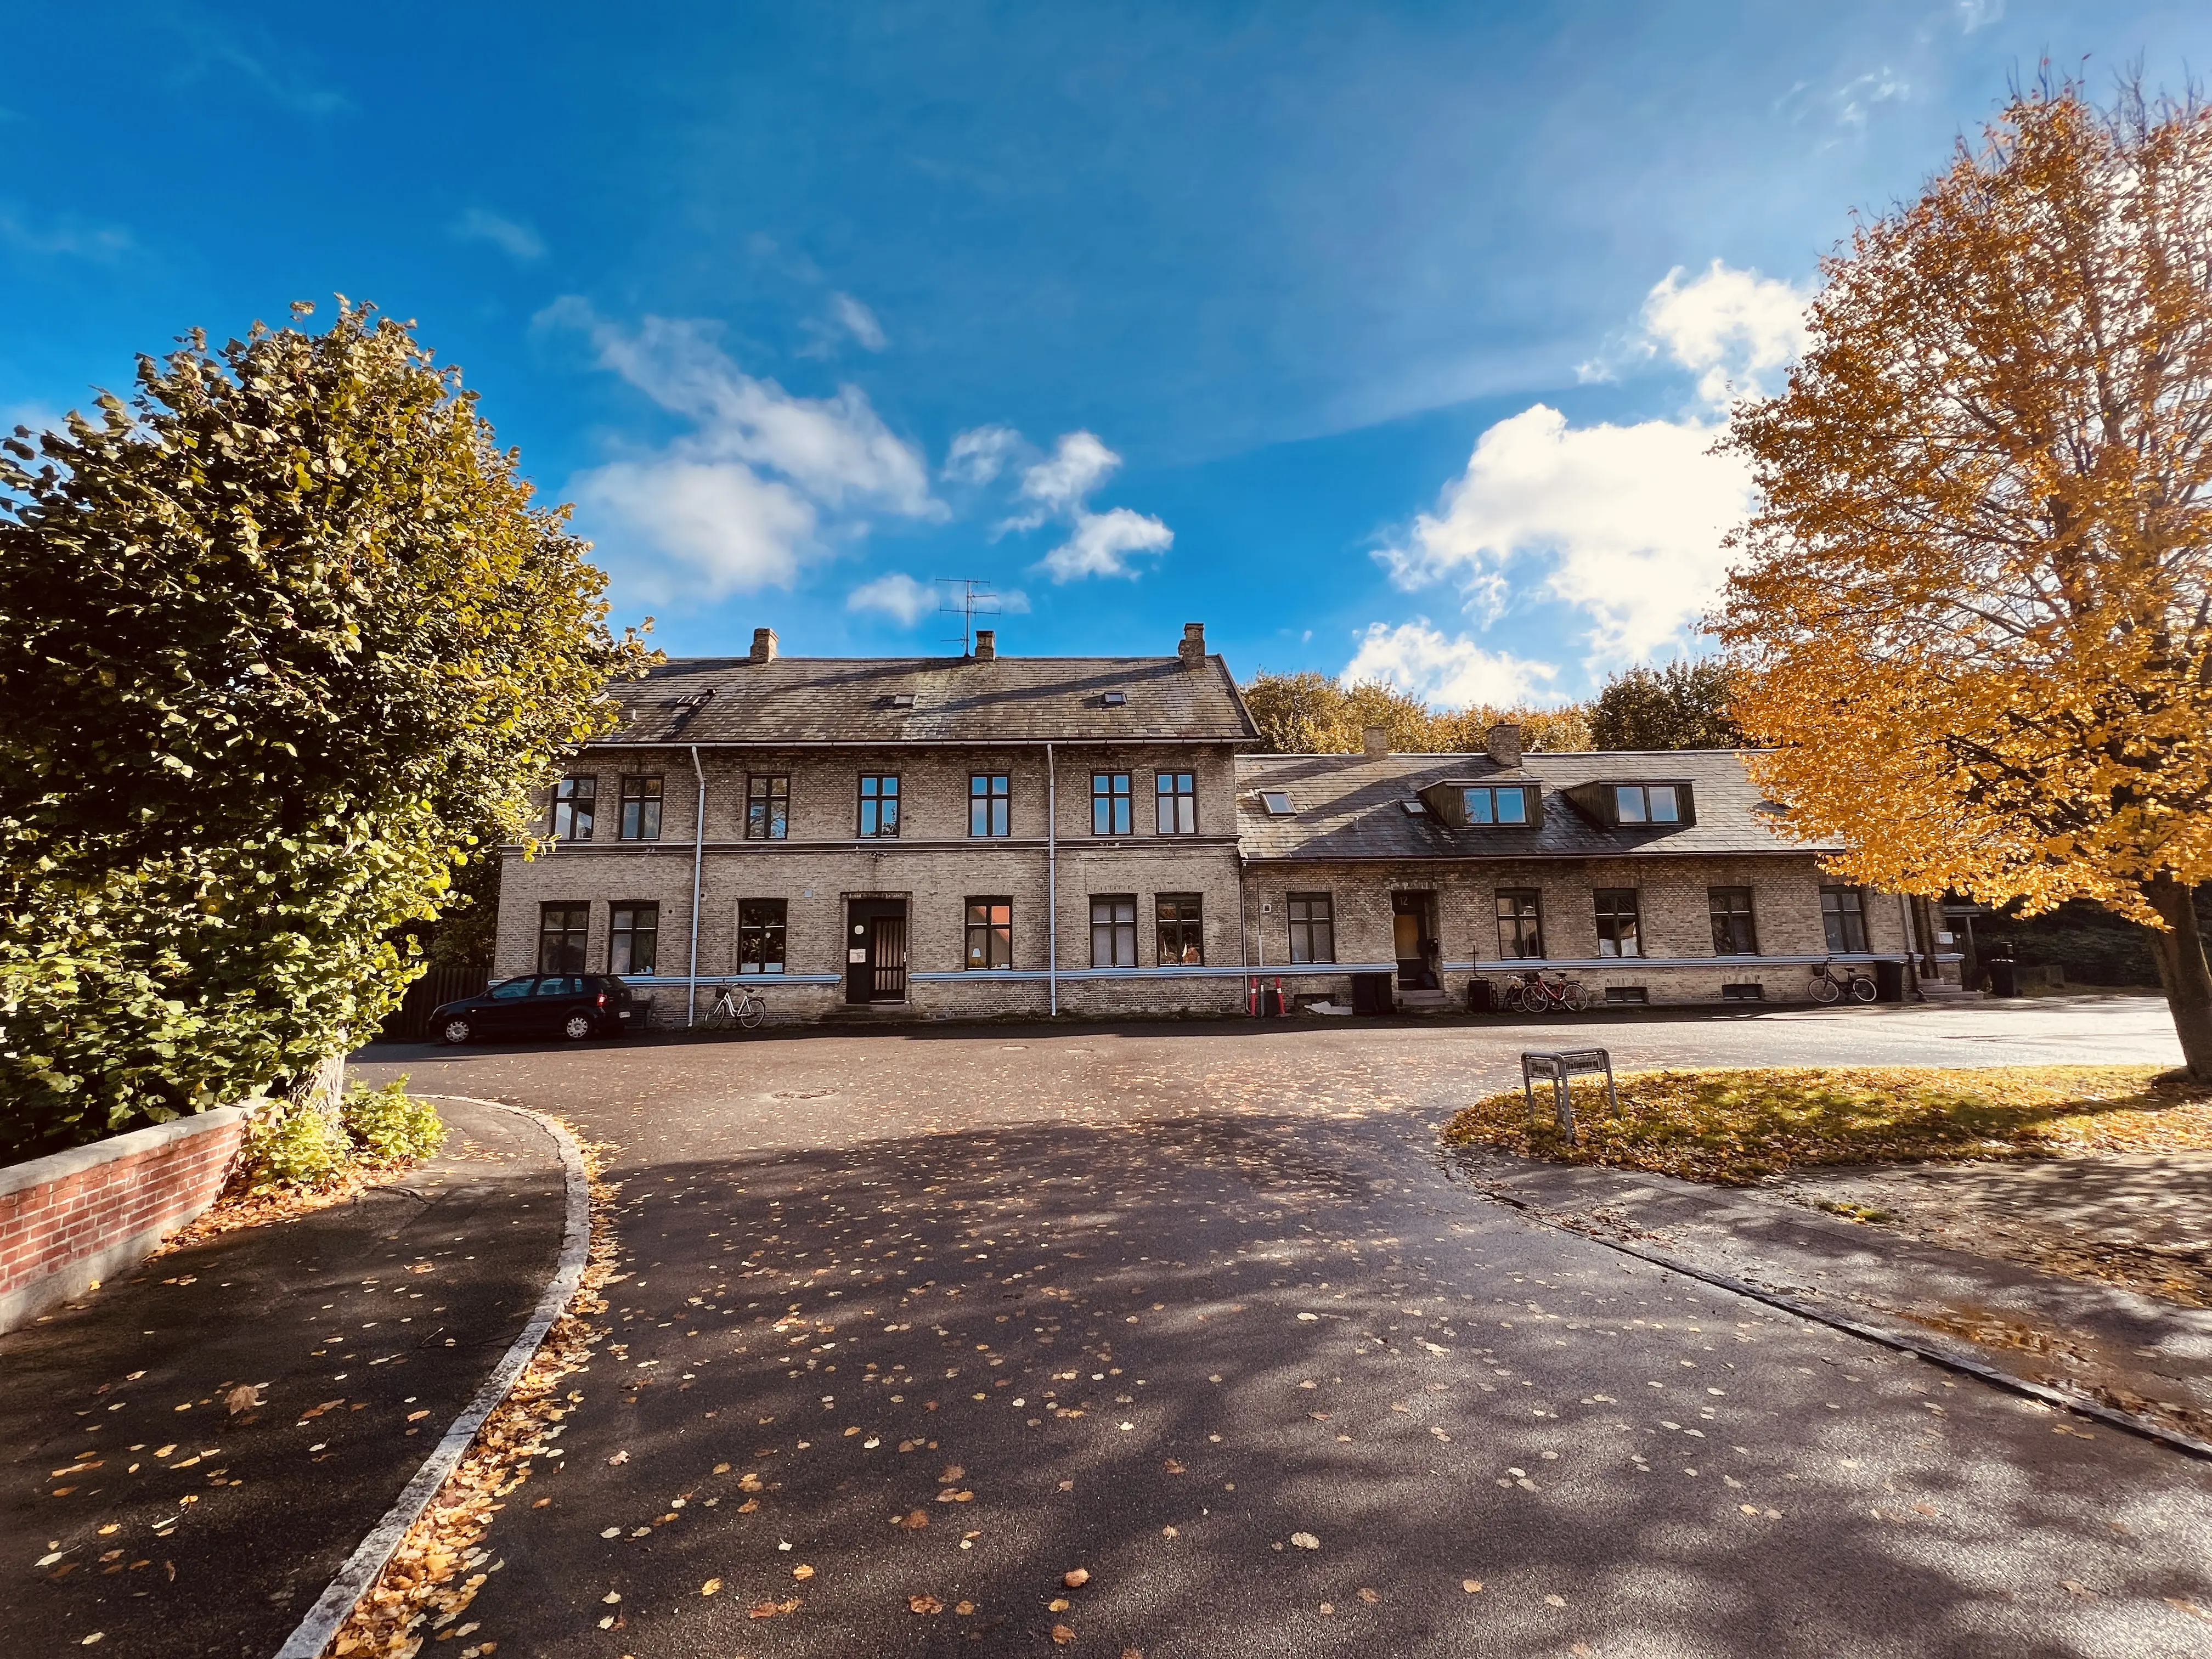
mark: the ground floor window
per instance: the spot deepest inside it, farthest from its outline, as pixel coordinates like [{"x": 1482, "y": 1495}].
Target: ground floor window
[
  {"x": 1183, "y": 930},
  {"x": 990, "y": 932},
  {"x": 1843, "y": 915},
  {"x": 633, "y": 938},
  {"x": 1313, "y": 927},
  {"x": 1114, "y": 930},
  {"x": 1618, "y": 925},
  {"x": 563, "y": 930},
  {"x": 1519, "y": 923},
  {"x": 760, "y": 936},
  {"x": 1735, "y": 933}
]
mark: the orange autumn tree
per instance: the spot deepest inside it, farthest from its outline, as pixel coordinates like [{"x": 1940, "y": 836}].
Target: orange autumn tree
[{"x": 1974, "y": 611}]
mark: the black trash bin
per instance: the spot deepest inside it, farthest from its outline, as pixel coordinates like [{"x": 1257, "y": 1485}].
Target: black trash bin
[
  {"x": 1371, "y": 993},
  {"x": 1480, "y": 998}
]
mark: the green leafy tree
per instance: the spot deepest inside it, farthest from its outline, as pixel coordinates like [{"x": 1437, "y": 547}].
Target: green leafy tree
[
  {"x": 1681, "y": 706},
  {"x": 1310, "y": 714},
  {"x": 283, "y": 645}
]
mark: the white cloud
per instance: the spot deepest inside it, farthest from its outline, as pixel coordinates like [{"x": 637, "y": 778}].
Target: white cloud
[
  {"x": 980, "y": 453},
  {"x": 1102, "y": 542},
  {"x": 510, "y": 236},
  {"x": 68, "y": 237},
  {"x": 1078, "y": 465},
  {"x": 1728, "y": 326},
  {"x": 1631, "y": 518},
  {"x": 702, "y": 501},
  {"x": 896, "y": 595},
  {"x": 858, "y": 321},
  {"x": 1457, "y": 672}
]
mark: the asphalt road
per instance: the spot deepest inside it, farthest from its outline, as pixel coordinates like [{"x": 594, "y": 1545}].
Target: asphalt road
[{"x": 938, "y": 1317}]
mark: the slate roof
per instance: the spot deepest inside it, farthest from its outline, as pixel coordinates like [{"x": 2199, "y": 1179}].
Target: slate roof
[
  {"x": 1348, "y": 807},
  {"x": 851, "y": 701}
]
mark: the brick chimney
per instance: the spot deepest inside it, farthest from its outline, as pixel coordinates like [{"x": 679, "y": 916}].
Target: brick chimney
[
  {"x": 986, "y": 645},
  {"x": 1376, "y": 740},
  {"x": 1193, "y": 648},
  {"x": 763, "y": 645},
  {"x": 1504, "y": 743}
]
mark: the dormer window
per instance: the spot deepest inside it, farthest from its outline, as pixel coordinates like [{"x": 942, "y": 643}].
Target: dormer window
[
  {"x": 1646, "y": 803},
  {"x": 1277, "y": 802},
  {"x": 1115, "y": 699},
  {"x": 1495, "y": 804}
]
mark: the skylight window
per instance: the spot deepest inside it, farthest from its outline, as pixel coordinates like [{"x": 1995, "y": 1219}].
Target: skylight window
[
  {"x": 1415, "y": 809},
  {"x": 902, "y": 700},
  {"x": 1647, "y": 803},
  {"x": 1277, "y": 802},
  {"x": 1115, "y": 699}
]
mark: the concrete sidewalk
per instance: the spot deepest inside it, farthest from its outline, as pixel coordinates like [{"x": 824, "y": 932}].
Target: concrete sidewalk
[
  {"x": 136, "y": 1504},
  {"x": 2138, "y": 1354}
]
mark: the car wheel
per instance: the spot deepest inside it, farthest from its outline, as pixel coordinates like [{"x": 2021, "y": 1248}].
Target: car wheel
[
  {"x": 576, "y": 1027},
  {"x": 456, "y": 1031}
]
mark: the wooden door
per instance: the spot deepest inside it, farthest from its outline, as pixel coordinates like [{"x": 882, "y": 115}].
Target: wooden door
[{"x": 887, "y": 953}]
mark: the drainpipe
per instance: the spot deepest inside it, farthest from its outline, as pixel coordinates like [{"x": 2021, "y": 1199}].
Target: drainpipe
[
  {"x": 698, "y": 854},
  {"x": 1052, "y": 881}
]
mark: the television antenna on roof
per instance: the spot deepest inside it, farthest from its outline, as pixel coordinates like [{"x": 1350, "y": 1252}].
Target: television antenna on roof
[{"x": 966, "y": 597}]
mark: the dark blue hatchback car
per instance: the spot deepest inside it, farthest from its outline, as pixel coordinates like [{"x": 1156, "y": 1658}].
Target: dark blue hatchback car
[{"x": 577, "y": 1005}]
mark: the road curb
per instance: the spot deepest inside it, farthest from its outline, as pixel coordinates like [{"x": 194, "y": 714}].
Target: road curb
[
  {"x": 1935, "y": 1354},
  {"x": 367, "y": 1562}
]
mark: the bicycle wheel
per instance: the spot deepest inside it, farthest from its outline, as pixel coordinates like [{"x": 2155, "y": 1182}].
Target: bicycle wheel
[
  {"x": 1572, "y": 998},
  {"x": 1513, "y": 998},
  {"x": 1864, "y": 990},
  {"x": 752, "y": 1012},
  {"x": 717, "y": 1017},
  {"x": 1825, "y": 990}
]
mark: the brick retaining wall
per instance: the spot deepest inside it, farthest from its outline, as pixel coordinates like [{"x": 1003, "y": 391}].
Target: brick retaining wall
[{"x": 71, "y": 1219}]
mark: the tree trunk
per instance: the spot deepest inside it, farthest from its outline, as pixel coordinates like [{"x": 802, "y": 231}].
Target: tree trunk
[{"x": 2178, "y": 950}]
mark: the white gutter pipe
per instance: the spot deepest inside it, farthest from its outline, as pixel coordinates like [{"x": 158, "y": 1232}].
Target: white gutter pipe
[
  {"x": 1052, "y": 881},
  {"x": 698, "y": 854}
]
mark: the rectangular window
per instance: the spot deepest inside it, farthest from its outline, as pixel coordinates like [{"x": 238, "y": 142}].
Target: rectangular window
[
  {"x": 1519, "y": 923},
  {"x": 573, "y": 801},
  {"x": 633, "y": 938},
  {"x": 879, "y": 803},
  {"x": 1744, "y": 993},
  {"x": 1493, "y": 804},
  {"x": 563, "y": 930},
  {"x": 1647, "y": 803},
  {"x": 1182, "y": 931},
  {"x": 1734, "y": 932},
  {"x": 1114, "y": 930},
  {"x": 1110, "y": 803},
  {"x": 990, "y": 932},
  {"x": 1313, "y": 927},
  {"x": 1178, "y": 803},
  {"x": 988, "y": 805},
  {"x": 1635, "y": 993},
  {"x": 1618, "y": 932},
  {"x": 1843, "y": 915},
  {"x": 640, "y": 808},
  {"x": 760, "y": 935},
  {"x": 767, "y": 807}
]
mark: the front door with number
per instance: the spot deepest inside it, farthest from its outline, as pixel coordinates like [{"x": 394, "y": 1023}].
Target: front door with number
[
  {"x": 875, "y": 951},
  {"x": 1413, "y": 935}
]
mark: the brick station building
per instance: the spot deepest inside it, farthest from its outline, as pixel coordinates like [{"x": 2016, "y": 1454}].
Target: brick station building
[{"x": 958, "y": 837}]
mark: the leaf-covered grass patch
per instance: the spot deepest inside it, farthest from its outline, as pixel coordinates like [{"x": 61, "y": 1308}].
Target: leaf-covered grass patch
[{"x": 1738, "y": 1126}]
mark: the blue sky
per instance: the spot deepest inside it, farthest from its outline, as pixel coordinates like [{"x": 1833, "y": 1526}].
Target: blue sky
[{"x": 1384, "y": 339}]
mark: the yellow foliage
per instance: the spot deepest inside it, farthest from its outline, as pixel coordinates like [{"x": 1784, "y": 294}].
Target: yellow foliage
[{"x": 1310, "y": 714}]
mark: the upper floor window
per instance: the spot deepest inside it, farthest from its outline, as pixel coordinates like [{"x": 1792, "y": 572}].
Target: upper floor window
[
  {"x": 1843, "y": 918},
  {"x": 1183, "y": 930},
  {"x": 767, "y": 807},
  {"x": 562, "y": 931},
  {"x": 1619, "y": 925},
  {"x": 573, "y": 801},
  {"x": 988, "y": 806},
  {"x": 990, "y": 932},
  {"x": 640, "y": 808},
  {"x": 760, "y": 935},
  {"x": 879, "y": 803},
  {"x": 1497, "y": 804},
  {"x": 1647, "y": 803},
  {"x": 1735, "y": 933},
  {"x": 1110, "y": 803},
  {"x": 1519, "y": 923},
  {"x": 1114, "y": 930},
  {"x": 633, "y": 938},
  {"x": 1313, "y": 927},
  {"x": 1277, "y": 803},
  {"x": 1178, "y": 803}
]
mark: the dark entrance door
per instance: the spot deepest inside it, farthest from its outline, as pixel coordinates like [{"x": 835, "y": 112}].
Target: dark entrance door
[
  {"x": 1412, "y": 928},
  {"x": 875, "y": 951}
]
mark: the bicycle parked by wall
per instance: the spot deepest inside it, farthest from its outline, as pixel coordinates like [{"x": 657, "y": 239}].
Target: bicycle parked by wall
[
  {"x": 737, "y": 1005},
  {"x": 1831, "y": 984},
  {"x": 1538, "y": 995}
]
